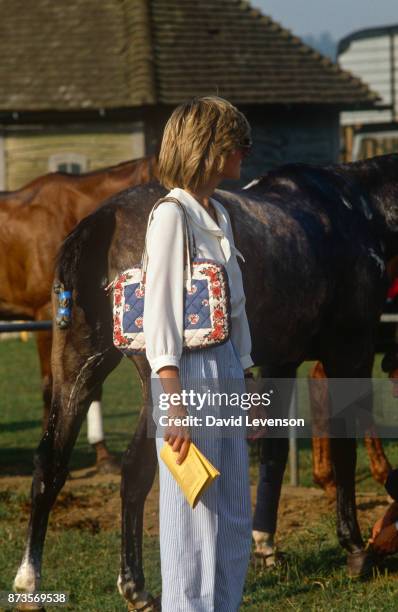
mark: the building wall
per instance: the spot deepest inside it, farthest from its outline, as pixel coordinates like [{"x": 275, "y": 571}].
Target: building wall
[
  {"x": 279, "y": 137},
  {"x": 374, "y": 60},
  {"x": 27, "y": 152},
  {"x": 291, "y": 136},
  {"x": 369, "y": 140},
  {"x": 2, "y": 163}
]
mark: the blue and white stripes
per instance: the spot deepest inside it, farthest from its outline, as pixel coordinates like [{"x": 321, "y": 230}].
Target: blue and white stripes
[{"x": 205, "y": 551}]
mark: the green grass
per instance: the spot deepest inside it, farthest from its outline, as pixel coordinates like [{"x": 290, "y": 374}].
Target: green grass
[
  {"x": 75, "y": 561},
  {"x": 86, "y": 564},
  {"x": 21, "y": 409}
]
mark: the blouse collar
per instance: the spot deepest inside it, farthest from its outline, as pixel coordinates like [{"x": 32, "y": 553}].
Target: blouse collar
[
  {"x": 198, "y": 212},
  {"x": 201, "y": 217}
]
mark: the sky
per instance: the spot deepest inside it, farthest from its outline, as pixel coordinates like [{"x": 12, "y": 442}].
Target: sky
[{"x": 339, "y": 17}]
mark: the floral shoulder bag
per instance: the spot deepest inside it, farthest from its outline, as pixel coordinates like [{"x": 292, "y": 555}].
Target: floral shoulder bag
[{"x": 207, "y": 303}]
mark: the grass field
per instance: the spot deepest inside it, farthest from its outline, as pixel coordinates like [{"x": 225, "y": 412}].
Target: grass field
[{"x": 83, "y": 540}]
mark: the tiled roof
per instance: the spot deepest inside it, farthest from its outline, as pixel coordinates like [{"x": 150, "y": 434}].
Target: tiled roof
[
  {"x": 84, "y": 54},
  {"x": 73, "y": 54},
  {"x": 226, "y": 45}
]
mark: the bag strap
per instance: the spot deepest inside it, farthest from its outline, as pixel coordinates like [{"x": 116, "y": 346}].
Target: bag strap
[{"x": 189, "y": 243}]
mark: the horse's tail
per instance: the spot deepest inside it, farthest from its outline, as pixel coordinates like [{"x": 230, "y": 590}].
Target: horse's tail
[{"x": 82, "y": 266}]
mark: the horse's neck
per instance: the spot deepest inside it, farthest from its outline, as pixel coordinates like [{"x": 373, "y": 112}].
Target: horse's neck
[
  {"x": 89, "y": 191},
  {"x": 118, "y": 178},
  {"x": 378, "y": 178}
]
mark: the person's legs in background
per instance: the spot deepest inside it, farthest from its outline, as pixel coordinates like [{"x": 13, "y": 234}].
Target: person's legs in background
[{"x": 273, "y": 458}]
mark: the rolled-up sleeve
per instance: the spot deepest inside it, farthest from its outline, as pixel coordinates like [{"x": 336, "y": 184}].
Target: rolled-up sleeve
[
  {"x": 163, "y": 307},
  {"x": 241, "y": 336}
]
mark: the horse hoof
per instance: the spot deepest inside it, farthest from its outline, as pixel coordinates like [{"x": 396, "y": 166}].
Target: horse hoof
[
  {"x": 108, "y": 465},
  {"x": 359, "y": 564}
]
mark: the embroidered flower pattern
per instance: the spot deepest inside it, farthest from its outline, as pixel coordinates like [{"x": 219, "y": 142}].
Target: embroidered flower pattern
[
  {"x": 134, "y": 342},
  {"x": 218, "y": 332},
  {"x": 118, "y": 338},
  {"x": 193, "y": 289},
  {"x": 220, "y": 315}
]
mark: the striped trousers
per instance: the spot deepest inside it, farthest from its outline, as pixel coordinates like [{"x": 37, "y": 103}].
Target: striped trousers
[{"x": 205, "y": 552}]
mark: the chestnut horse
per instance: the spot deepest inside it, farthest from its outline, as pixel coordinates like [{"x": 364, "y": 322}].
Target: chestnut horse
[
  {"x": 317, "y": 238},
  {"x": 321, "y": 459},
  {"x": 33, "y": 223},
  {"x": 322, "y": 466}
]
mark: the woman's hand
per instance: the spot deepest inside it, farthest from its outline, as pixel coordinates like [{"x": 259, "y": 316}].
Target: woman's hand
[
  {"x": 377, "y": 527},
  {"x": 178, "y": 436},
  {"x": 389, "y": 518},
  {"x": 386, "y": 542},
  {"x": 384, "y": 533}
]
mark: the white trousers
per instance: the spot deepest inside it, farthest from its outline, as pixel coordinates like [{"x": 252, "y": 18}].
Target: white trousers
[{"x": 205, "y": 551}]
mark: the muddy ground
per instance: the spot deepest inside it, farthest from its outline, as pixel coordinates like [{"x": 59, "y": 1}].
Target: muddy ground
[{"x": 92, "y": 501}]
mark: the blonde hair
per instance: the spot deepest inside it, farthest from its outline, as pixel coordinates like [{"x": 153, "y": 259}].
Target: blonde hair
[{"x": 197, "y": 139}]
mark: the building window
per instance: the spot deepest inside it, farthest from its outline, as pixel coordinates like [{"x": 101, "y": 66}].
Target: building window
[{"x": 71, "y": 163}]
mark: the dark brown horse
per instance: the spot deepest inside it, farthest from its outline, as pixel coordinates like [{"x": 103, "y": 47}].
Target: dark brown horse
[
  {"x": 317, "y": 239},
  {"x": 33, "y": 223}
]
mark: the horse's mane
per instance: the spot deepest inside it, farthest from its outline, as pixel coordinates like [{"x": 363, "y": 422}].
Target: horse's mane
[
  {"x": 366, "y": 170},
  {"x": 350, "y": 183}
]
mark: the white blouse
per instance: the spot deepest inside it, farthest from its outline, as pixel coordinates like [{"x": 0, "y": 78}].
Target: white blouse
[{"x": 163, "y": 306}]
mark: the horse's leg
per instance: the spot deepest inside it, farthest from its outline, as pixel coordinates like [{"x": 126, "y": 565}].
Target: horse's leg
[
  {"x": 349, "y": 358},
  {"x": 78, "y": 366},
  {"x": 322, "y": 469},
  {"x": 106, "y": 462},
  {"x": 321, "y": 460},
  {"x": 138, "y": 473},
  {"x": 379, "y": 464},
  {"x": 322, "y": 464},
  {"x": 344, "y": 463},
  {"x": 43, "y": 342}
]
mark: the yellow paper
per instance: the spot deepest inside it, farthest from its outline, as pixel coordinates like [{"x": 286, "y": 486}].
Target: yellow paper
[{"x": 194, "y": 475}]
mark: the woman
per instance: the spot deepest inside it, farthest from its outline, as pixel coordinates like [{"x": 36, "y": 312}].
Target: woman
[{"x": 205, "y": 551}]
